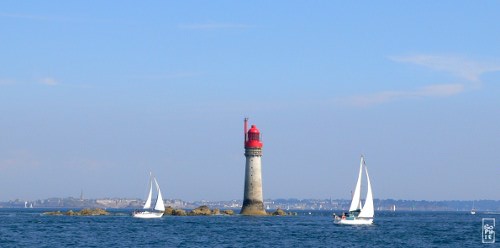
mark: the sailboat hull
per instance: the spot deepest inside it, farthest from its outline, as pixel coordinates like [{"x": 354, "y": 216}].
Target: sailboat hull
[
  {"x": 356, "y": 221},
  {"x": 147, "y": 215}
]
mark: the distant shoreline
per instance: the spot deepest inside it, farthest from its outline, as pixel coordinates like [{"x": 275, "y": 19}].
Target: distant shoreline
[{"x": 270, "y": 204}]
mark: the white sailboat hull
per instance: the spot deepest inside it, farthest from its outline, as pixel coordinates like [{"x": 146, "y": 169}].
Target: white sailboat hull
[
  {"x": 147, "y": 215},
  {"x": 356, "y": 221}
]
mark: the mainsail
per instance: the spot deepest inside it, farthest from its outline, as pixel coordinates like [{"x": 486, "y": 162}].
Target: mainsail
[
  {"x": 356, "y": 198},
  {"x": 368, "y": 210},
  {"x": 148, "y": 201}
]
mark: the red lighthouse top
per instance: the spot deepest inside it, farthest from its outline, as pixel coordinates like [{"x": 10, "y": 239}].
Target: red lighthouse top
[{"x": 252, "y": 137}]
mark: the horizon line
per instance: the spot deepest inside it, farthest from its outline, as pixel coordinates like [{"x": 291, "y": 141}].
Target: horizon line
[{"x": 204, "y": 200}]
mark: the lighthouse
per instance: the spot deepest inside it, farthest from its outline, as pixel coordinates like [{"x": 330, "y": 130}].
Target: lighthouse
[{"x": 253, "y": 201}]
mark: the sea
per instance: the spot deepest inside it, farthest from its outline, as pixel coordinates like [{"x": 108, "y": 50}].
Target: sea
[{"x": 31, "y": 228}]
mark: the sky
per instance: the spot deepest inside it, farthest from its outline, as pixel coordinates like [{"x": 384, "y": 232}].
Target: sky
[{"x": 96, "y": 94}]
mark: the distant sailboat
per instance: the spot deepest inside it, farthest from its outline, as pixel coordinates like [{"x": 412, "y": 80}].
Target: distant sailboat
[
  {"x": 359, "y": 214},
  {"x": 149, "y": 213},
  {"x": 473, "y": 210},
  {"x": 393, "y": 208}
]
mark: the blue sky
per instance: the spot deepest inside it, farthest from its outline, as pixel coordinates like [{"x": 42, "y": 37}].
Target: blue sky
[{"x": 95, "y": 94}]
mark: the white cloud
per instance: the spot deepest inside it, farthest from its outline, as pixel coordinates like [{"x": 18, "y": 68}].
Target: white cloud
[
  {"x": 213, "y": 25},
  {"x": 460, "y": 67},
  {"x": 437, "y": 90},
  {"x": 440, "y": 90},
  {"x": 467, "y": 70},
  {"x": 49, "y": 81}
]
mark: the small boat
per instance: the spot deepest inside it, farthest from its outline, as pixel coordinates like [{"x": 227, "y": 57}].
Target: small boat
[
  {"x": 473, "y": 210},
  {"x": 159, "y": 208},
  {"x": 359, "y": 214}
]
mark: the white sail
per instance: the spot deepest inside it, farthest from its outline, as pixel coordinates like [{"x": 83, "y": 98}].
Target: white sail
[
  {"x": 368, "y": 210},
  {"x": 160, "y": 206},
  {"x": 148, "y": 201},
  {"x": 356, "y": 198}
]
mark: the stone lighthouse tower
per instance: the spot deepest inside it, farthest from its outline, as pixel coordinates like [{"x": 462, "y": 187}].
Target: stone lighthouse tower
[{"x": 253, "y": 201}]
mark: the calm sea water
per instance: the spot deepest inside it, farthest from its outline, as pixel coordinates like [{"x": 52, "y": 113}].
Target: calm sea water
[{"x": 29, "y": 228}]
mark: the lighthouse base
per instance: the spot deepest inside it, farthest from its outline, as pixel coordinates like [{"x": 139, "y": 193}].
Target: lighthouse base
[{"x": 252, "y": 207}]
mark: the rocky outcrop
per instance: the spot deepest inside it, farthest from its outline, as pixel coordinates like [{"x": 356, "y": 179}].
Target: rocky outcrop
[
  {"x": 179, "y": 212},
  {"x": 202, "y": 210},
  {"x": 93, "y": 212},
  {"x": 216, "y": 211},
  {"x": 83, "y": 212},
  {"x": 175, "y": 212},
  {"x": 279, "y": 212},
  {"x": 205, "y": 211},
  {"x": 168, "y": 211},
  {"x": 228, "y": 212}
]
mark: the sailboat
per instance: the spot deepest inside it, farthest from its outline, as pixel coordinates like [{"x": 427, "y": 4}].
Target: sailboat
[
  {"x": 359, "y": 214},
  {"x": 473, "y": 210},
  {"x": 159, "y": 208}
]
